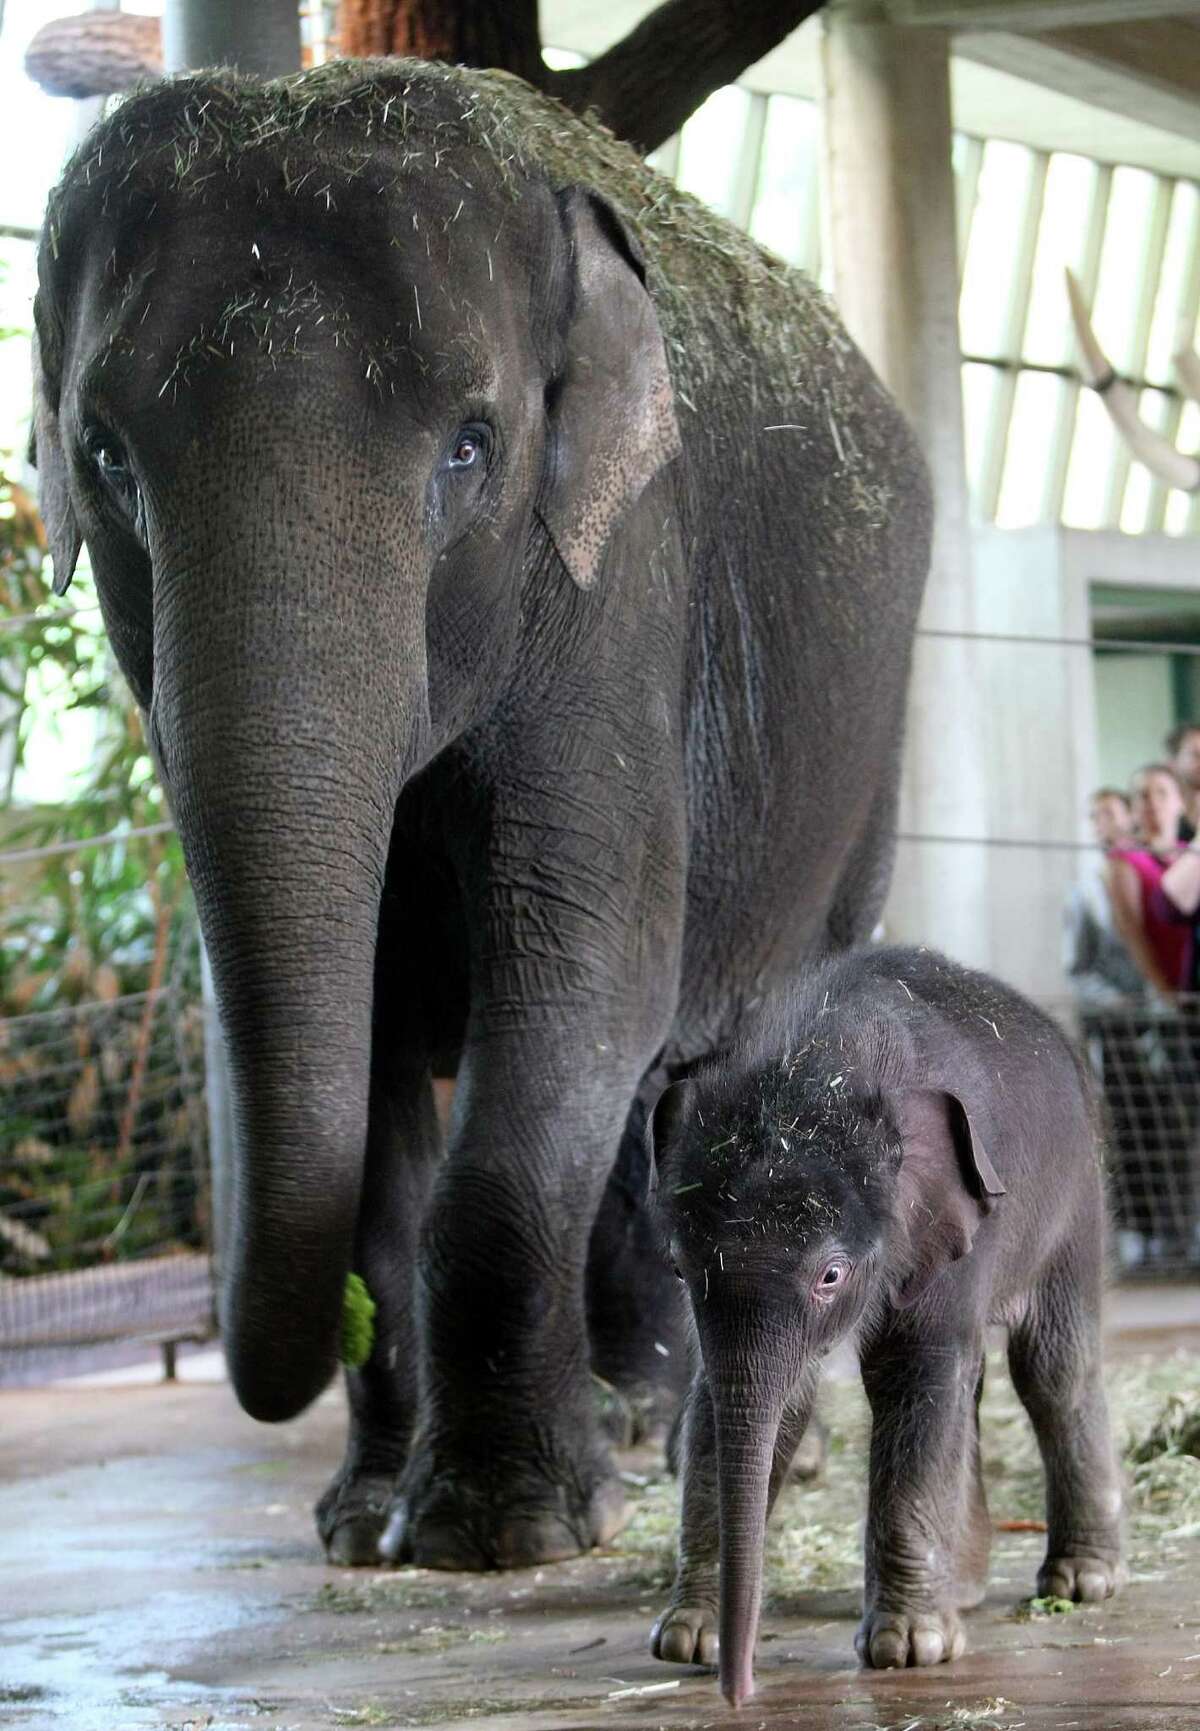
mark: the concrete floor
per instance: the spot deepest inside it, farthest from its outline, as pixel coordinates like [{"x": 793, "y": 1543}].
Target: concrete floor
[{"x": 158, "y": 1567}]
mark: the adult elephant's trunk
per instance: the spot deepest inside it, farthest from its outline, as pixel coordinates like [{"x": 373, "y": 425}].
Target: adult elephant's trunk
[
  {"x": 747, "y": 1420},
  {"x": 284, "y": 743}
]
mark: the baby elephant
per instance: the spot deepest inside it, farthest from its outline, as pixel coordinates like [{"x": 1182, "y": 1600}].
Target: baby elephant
[{"x": 903, "y": 1152}]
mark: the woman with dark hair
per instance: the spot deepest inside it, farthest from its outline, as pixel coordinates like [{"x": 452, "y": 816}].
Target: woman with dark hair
[
  {"x": 1156, "y": 892},
  {"x": 1159, "y": 944}
]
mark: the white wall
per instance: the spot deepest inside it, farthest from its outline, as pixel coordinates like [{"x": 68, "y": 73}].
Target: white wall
[
  {"x": 1055, "y": 725},
  {"x": 1134, "y": 711}
]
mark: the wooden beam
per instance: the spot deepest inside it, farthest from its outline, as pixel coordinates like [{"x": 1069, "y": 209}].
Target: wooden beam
[
  {"x": 1027, "y": 15},
  {"x": 1149, "y": 72}
]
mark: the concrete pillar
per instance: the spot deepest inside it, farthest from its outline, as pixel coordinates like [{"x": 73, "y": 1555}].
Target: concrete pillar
[
  {"x": 263, "y": 37},
  {"x": 891, "y": 227}
]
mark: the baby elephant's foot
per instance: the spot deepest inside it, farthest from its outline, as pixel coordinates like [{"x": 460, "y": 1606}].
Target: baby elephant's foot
[
  {"x": 1084, "y": 1579},
  {"x": 686, "y": 1635},
  {"x": 889, "y": 1640}
]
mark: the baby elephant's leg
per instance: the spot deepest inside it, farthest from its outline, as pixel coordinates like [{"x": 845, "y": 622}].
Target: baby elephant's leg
[
  {"x": 686, "y": 1632},
  {"x": 976, "y": 1540},
  {"x": 1055, "y": 1358},
  {"x": 923, "y": 1497}
]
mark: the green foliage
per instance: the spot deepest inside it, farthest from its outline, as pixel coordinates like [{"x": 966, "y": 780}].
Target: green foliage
[
  {"x": 358, "y": 1322},
  {"x": 101, "y": 1130}
]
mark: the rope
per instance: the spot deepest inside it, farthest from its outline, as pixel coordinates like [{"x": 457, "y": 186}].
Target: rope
[
  {"x": 1137, "y": 645},
  {"x": 20, "y": 856},
  {"x": 54, "y": 618},
  {"x": 1134, "y": 645}
]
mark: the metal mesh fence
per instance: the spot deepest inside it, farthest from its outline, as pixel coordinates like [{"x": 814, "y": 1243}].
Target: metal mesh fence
[
  {"x": 104, "y": 1186},
  {"x": 1147, "y": 1062}
]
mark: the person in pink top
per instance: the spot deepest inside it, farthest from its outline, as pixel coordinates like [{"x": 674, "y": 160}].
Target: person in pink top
[{"x": 1162, "y": 948}]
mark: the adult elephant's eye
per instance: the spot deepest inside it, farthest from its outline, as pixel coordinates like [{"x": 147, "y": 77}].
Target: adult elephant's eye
[
  {"x": 106, "y": 453},
  {"x": 110, "y": 464},
  {"x": 109, "y": 460}
]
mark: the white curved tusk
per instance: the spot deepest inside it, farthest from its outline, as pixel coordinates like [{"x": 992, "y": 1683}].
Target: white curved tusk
[
  {"x": 1096, "y": 365},
  {"x": 1158, "y": 454},
  {"x": 1187, "y": 365}
]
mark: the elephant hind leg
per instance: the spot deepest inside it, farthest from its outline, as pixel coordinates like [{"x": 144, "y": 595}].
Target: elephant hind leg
[
  {"x": 637, "y": 1323},
  {"x": 975, "y": 1544},
  {"x": 1054, "y": 1355},
  {"x": 863, "y": 886}
]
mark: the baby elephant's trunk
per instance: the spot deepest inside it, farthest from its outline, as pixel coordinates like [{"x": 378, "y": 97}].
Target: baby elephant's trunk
[{"x": 747, "y": 1427}]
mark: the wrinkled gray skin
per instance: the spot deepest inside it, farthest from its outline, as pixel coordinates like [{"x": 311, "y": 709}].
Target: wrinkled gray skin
[
  {"x": 520, "y": 717},
  {"x": 901, "y": 1153}
]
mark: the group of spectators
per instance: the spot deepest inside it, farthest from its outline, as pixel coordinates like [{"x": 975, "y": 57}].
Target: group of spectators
[
  {"x": 1133, "y": 958},
  {"x": 1134, "y": 928}
]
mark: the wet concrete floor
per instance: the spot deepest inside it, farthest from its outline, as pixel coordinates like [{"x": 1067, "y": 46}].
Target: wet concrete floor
[{"x": 159, "y": 1568}]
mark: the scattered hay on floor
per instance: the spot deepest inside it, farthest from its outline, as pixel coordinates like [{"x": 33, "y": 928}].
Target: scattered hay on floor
[
  {"x": 1176, "y": 1430},
  {"x": 816, "y": 1537}
]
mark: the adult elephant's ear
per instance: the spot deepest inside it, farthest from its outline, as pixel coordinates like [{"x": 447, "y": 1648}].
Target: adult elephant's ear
[
  {"x": 47, "y": 453},
  {"x": 611, "y": 409},
  {"x": 946, "y": 1186}
]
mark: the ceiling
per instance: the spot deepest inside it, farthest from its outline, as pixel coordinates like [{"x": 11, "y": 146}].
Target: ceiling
[{"x": 988, "y": 100}]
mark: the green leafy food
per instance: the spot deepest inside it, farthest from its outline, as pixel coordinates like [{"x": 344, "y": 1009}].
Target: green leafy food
[
  {"x": 358, "y": 1323},
  {"x": 1048, "y": 1606}
]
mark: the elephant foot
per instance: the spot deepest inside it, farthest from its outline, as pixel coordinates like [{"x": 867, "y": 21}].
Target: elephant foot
[
  {"x": 635, "y": 1414},
  {"x": 686, "y": 1634},
  {"x": 808, "y": 1462},
  {"x": 1085, "y": 1580},
  {"x": 890, "y": 1640},
  {"x": 352, "y": 1515},
  {"x": 447, "y": 1516}
]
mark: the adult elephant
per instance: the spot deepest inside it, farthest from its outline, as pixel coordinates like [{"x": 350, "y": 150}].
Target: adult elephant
[{"x": 518, "y": 568}]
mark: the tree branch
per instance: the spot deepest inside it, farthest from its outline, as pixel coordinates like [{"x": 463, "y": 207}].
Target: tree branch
[
  {"x": 501, "y": 33},
  {"x": 646, "y": 85}
]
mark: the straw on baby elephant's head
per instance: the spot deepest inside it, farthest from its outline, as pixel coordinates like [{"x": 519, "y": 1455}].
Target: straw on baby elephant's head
[{"x": 770, "y": 1172}]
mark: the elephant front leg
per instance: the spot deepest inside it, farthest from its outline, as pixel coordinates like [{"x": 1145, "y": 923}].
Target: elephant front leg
[
  {"x": 687, "y": 1631},
  {"x": 508, "y": 1468},
  {"x": 921, "y": 1501},
  {"x": 403, "y": 1148}
]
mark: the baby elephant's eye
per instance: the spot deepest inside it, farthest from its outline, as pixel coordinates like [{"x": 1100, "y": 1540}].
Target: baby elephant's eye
[
  {"x": 831, "y": 1279},
  {"x": 470, "y": 448}
]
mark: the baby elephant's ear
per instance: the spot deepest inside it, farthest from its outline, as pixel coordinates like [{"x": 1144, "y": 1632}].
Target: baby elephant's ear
[
  {"x": 946, "y": 1186},
  {"x": 612, "y": 414},
  {"x": 663, "y": 1123},
  {"x": 50, "y": 460}
]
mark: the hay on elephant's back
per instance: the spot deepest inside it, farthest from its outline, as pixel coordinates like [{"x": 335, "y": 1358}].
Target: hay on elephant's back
[{"x": 353, "y": 117}]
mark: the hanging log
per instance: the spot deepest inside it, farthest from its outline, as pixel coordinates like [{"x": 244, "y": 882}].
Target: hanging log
[{"x": 95, "y": 54}]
